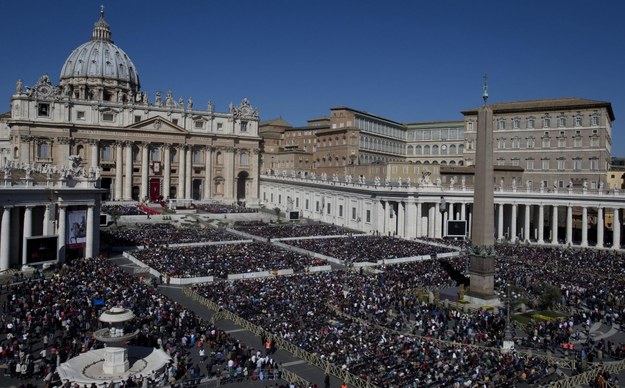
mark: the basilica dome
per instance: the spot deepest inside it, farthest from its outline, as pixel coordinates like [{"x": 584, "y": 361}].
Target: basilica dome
[{"x": 99, "y": 69}]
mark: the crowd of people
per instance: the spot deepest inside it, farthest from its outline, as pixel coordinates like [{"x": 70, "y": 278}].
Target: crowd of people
[
  {"x": 122, "y": 209},
  {"x": 221, "y": 208},
  {"x": 345, "y": 330},
  {"x": 222, "y": 259},
  {"x": 367, "y": 248},
  {"x": 47, "y": 320},
  {"x": 261, "y": 229},
  {"x": 155, "y": 234}
]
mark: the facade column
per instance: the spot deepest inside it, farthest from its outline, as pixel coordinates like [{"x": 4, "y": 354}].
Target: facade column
[
  {"x": 437, "y": 220},
  {"x": 144, "y": 170},
  {"x": 89, "y": 242},
  {"x": 513, "y": 233},
  {"x": 569, "y": 224},
  {"x": 118, "y": 171},
  {"x": 616, "y": 230},
  {"x": 5, "y": 240},
  {"x": 463, "y": 211},
  {"x": 254, "y": 159},
  {"x": 61, "y": 233},
  {"x": 128, "y": 172},
  {"x": 188, "y": 174},
  {"x": 208, "y": 172},
  {"x": 380, "y": 217},
  {"x": 232, "y": 179},
  {"x": 28, "y": 230},
  {"x": 554, "y": 225},
  {"x": 526, "y": 228},
  {"x": 419, "y": 217},
  {"x": 541, "y": 222},
  {"x": 94, "y": 153},
  {"x": 25, "y": 148},
  {"x": 445, "y": 217},
  {"x": 166, "y": 171},
  {"x": 600, "y": 227},
  {"x": 584, "y": 226},
  {"x": 182, "y": 169},
  {"x": 500, "y": 222}
]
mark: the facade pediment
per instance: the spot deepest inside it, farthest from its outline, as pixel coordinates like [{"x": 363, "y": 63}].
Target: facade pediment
[{"x": 158, "y": 124}]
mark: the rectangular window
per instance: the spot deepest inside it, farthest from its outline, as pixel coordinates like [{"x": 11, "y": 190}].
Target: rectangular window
[
  {"x": 545, "y": 164},
  {"x": 220, "y": 126},
  {"x": 594, "y": 121},
  {"x": 577, "y": 142},
  {"x": 307, "y": 204},
  {"x": 297, "y": 203},
  {"x": 578, "y": 121},
  {"x": 546, "y": 142},
  {"x": 368, "y": 216},
  {"x": 515, "y": 162},
  {"x": 594, "y": 142},
  {"x": 107, "y": 116},
  {"x": 529, "y": 164},
  {"x": 594, "y": 164},
  {"x": 43, "y": 151},
  {"x": 329, "y": 208},
  {"x": 198, "y": 124},
  {"x": 137, "y": 118},
  {"x": 243, "y": 126},
  {"x": 577, "y": 164},
  {"x": 271, "y": 197},
  {"x": 317, "y": 205},
  {"x": 530, "y": 142},
  {"x": 546, "y": 122},
  {"x": 156, "y": 155},
  {"x": 175, "y": 121},
  {"x": 561, "y": 122},
  {"x": 80, "y": 115},
  {"x": 279, "y": 198},
  {"x": 501, "y": 124},
  {"x": 43, "y": 110},
  {"x": 530, "y": 123},
  {"x": 197, "y": 157},
  {"x": 561, "y": 164},
  {"x": 353, "y": 213},
  {"x": 340, "y": 210},
  {"x": 561, "y": 142},
  {"x": 107, "y": 154},
  {"x": 516, "y": 124}
]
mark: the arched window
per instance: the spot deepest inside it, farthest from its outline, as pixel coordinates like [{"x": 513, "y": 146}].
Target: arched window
[
  {"x": 219, "y": 158},
  {"x": 410, "y": 150},
  {"x": 434, "y": 150},
  {"x": 418, "y": 150},
  {"x": 43, "y": 151},
  {"x": 426, "y": 150},
  {"x": 243, "y": 159}
]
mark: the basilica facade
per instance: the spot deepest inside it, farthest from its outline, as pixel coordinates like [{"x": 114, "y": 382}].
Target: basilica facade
[{"x": 141, "y": 147}]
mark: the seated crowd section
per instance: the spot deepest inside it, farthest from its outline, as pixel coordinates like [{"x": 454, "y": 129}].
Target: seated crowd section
[{"x": 156, "y": 234}]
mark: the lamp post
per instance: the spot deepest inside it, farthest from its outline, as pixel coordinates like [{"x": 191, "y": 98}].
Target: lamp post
[{"x": 507, "y": 297}]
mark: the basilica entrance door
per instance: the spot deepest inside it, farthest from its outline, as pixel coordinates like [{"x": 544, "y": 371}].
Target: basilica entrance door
[{"x": 155, "y": 189}]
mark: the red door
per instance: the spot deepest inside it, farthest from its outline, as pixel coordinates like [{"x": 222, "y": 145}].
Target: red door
[{"x": 155, "y": 189}]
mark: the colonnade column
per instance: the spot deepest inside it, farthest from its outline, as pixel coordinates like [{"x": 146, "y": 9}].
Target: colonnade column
[
  {"x": 569, "y": 224},
  {"x": 541, "y": 222},
  {"x": 513, "y": 233},
  {"x": 380, "y": 217},
  {"x": 463, "y": 211},
  {"x": 554, "y": 225},
  {"x": 600, "y": 227},
  {"x": 616, "y": 230},
  {"x": 500, "y": 222},
  {"x": 166, "y": 171},
  {"x": 144, "y": 170},
  {"x": 419, "y": 216},
  {"x": 188, "y": 174},
  {"x": 526, "y": 228},
  {"x": 401, "y": 217},
  {"x": 61, "y": 233},
  {"x": 437, "y": 220},
  {"x": 5, "y": 234},
  {"x": 28, "y": 230},
  {"x": 182, "y": 158},
  {"x": 584, "y": 226},
  {"x": 128, "y": 172},
  {"x": 118, "y": 171},
  {"x": 409, "y": 219},
  {"x": 46, "y": 220},
  {"x": 208, "y": 172},
  {"x": 89, "y": 242}
]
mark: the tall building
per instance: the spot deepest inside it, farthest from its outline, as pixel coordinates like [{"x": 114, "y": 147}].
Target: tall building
[
  {"x": 558, "y": 142},
  {"x": 165, "y": 148}
]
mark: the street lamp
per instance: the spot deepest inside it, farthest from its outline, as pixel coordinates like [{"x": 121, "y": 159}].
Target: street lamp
[{"x": 507, "y": 297}]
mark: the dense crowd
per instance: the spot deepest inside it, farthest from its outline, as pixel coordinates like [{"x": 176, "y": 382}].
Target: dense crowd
[
  {"x": 154, "y": 234},
  {"x": 344, "y": 330},
  {"x": 222, "y": 259},
  {"x": 265, "y": 230},
  {"x": 367, "y": 248},
  {"x": 122, "y": 210},
  {"x": 220, "y": 208},
  {"x": 46, "y": 321}
]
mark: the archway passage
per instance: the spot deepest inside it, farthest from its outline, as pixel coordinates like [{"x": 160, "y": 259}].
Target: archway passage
[
  {"x": 241, "y": 185},
  {"x": 106, "y": 184},
  {"x": 155, "y": 189}
]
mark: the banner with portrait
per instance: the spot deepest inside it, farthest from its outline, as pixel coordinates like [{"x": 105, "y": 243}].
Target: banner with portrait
[{"x": 76, "y": 228}]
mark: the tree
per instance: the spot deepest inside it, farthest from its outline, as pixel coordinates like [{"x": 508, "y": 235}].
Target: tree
[
  {"x": 277, "y": 211},
  {"x": 550, "y": 296}
]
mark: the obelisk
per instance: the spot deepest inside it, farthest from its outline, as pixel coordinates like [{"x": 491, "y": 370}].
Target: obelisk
[{"x": 482, "y": 252}]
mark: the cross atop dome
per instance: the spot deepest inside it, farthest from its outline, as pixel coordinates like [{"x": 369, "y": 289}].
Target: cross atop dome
[{"x": 101, "y": 29}]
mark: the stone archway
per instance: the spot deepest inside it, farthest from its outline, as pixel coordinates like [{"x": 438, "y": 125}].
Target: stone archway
[{"x": 242, "y": 179}]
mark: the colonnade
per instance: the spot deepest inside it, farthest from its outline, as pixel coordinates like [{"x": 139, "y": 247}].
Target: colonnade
[{"x": 13, "y": 238}]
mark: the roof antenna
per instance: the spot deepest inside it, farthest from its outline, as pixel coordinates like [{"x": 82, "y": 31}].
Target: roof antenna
[{"x": 485, "y": 89}]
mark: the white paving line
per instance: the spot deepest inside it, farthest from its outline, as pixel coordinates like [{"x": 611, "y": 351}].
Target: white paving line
[
  {"x": 294, "y": 363},
  {"x": 235, "y": 330}
]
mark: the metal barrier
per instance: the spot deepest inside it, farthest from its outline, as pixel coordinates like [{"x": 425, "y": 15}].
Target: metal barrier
[{"x": 313, "y": 359}]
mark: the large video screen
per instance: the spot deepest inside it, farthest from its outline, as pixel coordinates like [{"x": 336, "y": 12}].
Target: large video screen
[
  {"x": 41, "y": 249},
  {"x": 456, "y": 228}
]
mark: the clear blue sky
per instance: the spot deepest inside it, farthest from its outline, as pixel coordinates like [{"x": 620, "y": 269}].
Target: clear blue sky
[{"x": 403, "y": 60}]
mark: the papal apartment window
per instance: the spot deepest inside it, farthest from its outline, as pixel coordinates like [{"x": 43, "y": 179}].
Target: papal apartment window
[
  {"x": 594, "y": 164},
  {"x": 577, "y": 164},
  {"x": 544, "y": 164},
  {"x": 546, "y": 122},
  {"x": 561, "y": 122},
  {"x": 516, "y": 143},
  {"x": 501, "y": 162},
  {"x": 198, "y": 124},
  {"x": 108, "y": 116},
  {"x": 577, "y": 141},
  {"x": 515, "y": 162},
  {"x": 530, "y": 142},
  {"x": 561, "y": 142},
  {"x": 501, "y": 124},
  {"x": 43, "y": 151},
  {"x": 516, "y": 124},
  {"x": 43, "y": 110},
  {"x": 578, "y": 121},
  {"x": 594, "y": 121},
  {"x": 530, "y": 123},
  {"x": 529, "y": 164},
  {"x": 243, "y": 126},
  {"x": 80, "y": 115},
  {"x": 594, "y": 142},
  {"x": 561, "y": 164},
  {"x": 470, "y": 126}
]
